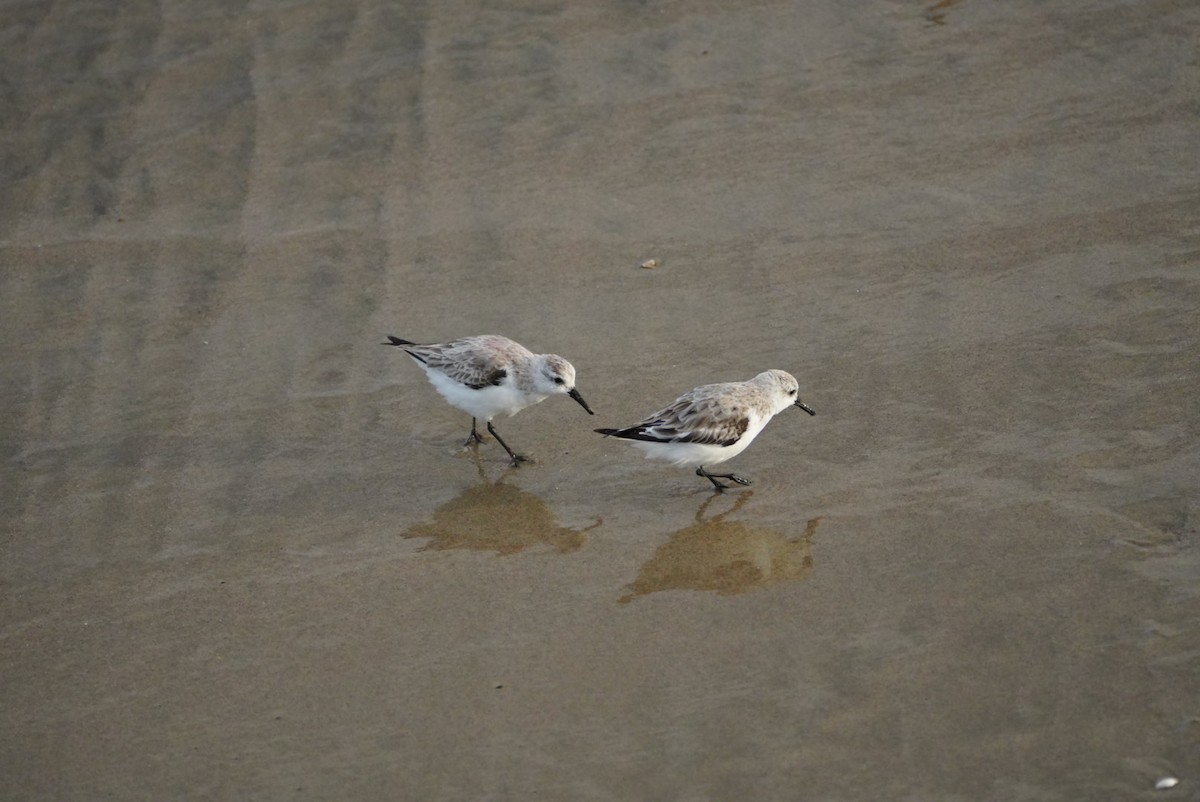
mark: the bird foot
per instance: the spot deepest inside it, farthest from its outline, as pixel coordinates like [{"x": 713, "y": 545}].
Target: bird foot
[
  {"x": 474, "y": 437},
  {"x": 718, "y": 486}
]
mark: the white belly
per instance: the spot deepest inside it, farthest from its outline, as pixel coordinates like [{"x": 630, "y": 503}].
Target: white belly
[{"x": 486, "y": 402}]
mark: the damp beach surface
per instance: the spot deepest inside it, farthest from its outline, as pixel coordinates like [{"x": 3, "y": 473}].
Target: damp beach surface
[{"x": 243, "y": 556}]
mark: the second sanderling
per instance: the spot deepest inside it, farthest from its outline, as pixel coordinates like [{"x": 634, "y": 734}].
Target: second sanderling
[
  {"x": 713, "y": 423},
  {"x": 486, "y": 375}
]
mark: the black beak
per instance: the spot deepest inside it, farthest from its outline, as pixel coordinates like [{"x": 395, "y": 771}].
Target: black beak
[
  {"x": 805, "y": 407},
  {"x": 575, "y": 394}
]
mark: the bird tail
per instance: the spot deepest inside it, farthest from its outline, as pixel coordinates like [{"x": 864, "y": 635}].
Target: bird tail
[
  {"x": 606, "y": 432},
  {"x": 397, "y": 341}
]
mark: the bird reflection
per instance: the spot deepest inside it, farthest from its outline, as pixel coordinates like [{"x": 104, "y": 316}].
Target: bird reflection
[
  {"x": 493, "y": 516},
  {"x": 725, "y": 556}
]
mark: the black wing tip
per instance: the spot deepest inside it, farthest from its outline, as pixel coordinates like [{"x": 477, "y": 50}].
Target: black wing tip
[
  {"x": 627, "y": 433},
  {"x": 404, "y": 344},
  {"x": 634, "y": 433}
]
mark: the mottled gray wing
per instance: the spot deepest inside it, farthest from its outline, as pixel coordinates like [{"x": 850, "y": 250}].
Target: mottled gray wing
[
  {"x": 703, "y": 415},
  {"x": 463, "y": 361}
]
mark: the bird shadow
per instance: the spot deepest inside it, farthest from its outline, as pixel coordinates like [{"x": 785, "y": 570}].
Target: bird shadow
[
  {"x": 726, "y": 557},
  {"x": 497, "y": 517}
]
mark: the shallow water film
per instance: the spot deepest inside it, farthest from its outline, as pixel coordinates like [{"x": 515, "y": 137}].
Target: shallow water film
[{"x": 244, "y": 555}]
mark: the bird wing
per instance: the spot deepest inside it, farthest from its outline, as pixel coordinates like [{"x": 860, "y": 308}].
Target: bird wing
[
  {"x": 701, "y": 416},
  {"x": 463, "y": 362}
]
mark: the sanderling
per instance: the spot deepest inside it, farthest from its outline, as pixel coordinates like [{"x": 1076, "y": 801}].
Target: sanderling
[
  {"x": 486, "y": 375},
  {"x": 714, "y": 422}
]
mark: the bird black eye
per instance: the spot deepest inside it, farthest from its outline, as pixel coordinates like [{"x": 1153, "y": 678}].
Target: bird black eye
[
  {"x": 791, "y": 392},
  {"x": 558, "y": 380}
]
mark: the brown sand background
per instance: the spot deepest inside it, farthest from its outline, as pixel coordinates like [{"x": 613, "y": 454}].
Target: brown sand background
[{"x": 243, "y": 558}]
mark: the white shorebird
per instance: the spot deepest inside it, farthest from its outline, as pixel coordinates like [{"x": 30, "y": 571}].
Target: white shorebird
[
  {"x": 713, "y": 423},
  {"x": 486, "y": 375}
]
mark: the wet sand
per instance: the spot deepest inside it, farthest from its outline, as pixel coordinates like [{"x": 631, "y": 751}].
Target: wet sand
[{"x": 243, "y": 556}]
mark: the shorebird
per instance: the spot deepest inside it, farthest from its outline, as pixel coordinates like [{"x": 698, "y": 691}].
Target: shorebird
[
  {"x": 489, "y": 374},
  {"x": 713, "y": 423}
]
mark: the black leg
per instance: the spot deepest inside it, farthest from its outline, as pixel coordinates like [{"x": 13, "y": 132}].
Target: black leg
[
  {"x": 713, "y": 477},
  {"x": 473, "y": 437},
  {"x": 517, "y": 459}
]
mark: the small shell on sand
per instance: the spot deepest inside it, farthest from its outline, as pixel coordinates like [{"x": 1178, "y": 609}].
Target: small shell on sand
[{"x": 650, "y": 264}]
